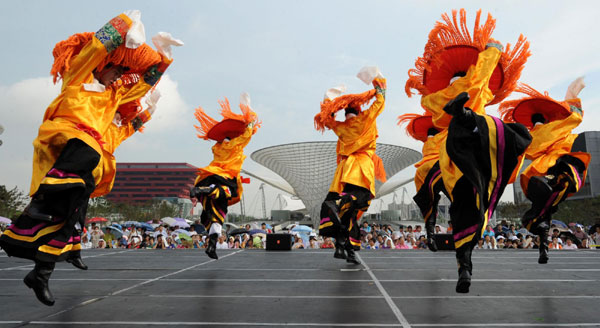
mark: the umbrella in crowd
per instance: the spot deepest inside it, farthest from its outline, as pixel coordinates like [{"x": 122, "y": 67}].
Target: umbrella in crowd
[
  {"x": 182, "y": 231},
  {"x": 147, "y": 226},
  {"x": 118, "y": 226},
  {"x": 4, "y": 220},
  {"x": 182, "y": 223},
  {"x": 302, "y": 228},
  {"x": 97, "y": 220},
  {"x": 199, "y": 228},
  {"x": 560, "y": 224},
  {"x": 114, "y": 231},
  {"x": 183, "y": 236},
  {"x": 237, "y": 231},
  {"x": 255, "y": 231},
  {"x": 170, "y": 221},
  {"x": 132, "y": 223}
]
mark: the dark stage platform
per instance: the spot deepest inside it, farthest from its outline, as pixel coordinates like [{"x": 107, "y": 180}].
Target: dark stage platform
[{"x": 171, "y": 288}]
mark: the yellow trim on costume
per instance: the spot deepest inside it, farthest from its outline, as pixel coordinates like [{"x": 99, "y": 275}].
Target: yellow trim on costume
[
  {"x": 354, "y": 243},
  {"x": 325, "y": 225},
  {"x": 56, "y": 251},
  {"x": 40, "y": 233},
  {"x": 56, "y": 181},
  {"x": 574, "y": 177},
  {"x": 560, "y": 195},
  {"x": 426, "y": 217},
  {"x": 493, "y": 143},
  {"x": 458, "y": 244},
  {"x": 218, "y": 215}
]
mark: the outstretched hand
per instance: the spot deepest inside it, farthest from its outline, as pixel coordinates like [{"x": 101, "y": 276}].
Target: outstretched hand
[
  {"x": 575, "y": 88},
  {"x": 163, "y": 42}
]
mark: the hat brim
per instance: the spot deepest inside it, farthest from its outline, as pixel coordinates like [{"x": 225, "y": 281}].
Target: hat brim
[
  {"x": 551, "y": 110},
  {"x": 228, "y": 128},
  {"x": 419, "y": 127},
  {"x": 453, "y": 60}
]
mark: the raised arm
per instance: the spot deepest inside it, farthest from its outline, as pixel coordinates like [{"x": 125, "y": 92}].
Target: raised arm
[{"x": 105, "y": 41}]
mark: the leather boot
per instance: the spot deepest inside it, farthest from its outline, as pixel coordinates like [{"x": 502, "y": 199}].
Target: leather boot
[
  {"x": 351, "y": 257},
  {"x": 211, "y": 249},
  {"x": 465, "y": 267},
  {"x": 38, "y": 278},
  {"x": 77, "y": 262},
  {"x": 430, "y": 228},
  {"x": 542, "y": 230},
  {"x": 339, "y": 248}
]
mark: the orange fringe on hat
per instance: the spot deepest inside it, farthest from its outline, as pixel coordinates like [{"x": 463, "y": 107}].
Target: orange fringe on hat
[
  {"x": 507, "y": 108},
  {"x": 329, "y": 107},
  {"x": 247, "y": 116},
  {"x": 451, "y": 33},
  {"x": 206, "y": 123},
  {"x": 407, "y": 119},
  {"x": 138, "y": 60}
]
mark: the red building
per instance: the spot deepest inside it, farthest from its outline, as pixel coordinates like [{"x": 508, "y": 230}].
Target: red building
[{"x": 141, "y": 182}]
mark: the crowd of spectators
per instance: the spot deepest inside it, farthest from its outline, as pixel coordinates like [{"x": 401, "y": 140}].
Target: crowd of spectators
[{"x": 373, "y": 236}]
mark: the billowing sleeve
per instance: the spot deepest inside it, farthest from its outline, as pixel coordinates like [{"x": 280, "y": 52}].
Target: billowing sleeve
[
  {"x": 106, "y": 40},
  {"x": 243, "y": 139}
]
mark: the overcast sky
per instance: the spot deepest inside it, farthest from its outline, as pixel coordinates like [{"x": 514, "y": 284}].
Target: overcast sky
[{"x": 285, "y": 54}]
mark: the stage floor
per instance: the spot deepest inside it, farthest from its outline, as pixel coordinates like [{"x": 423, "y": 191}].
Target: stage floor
[{"x": 167, "y": 288}]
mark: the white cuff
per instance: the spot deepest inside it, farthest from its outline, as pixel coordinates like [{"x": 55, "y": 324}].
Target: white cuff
[{"x": 136, "y": 36}]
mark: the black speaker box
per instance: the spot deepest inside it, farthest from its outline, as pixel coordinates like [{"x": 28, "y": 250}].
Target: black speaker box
[
  {"x": 444, "y": 241},
  {"x": 279, "y": 242}
]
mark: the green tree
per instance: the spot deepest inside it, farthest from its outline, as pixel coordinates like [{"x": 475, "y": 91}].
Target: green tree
[{"x": 12, "y": 201}]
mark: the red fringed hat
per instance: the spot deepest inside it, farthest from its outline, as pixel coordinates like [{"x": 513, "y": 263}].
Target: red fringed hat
[
  {"x": 418, "y": 125},
  {"x": 522, "y": 110},
  {"x": 232, "y": 126},
  {"x": 451, "y": 50}
]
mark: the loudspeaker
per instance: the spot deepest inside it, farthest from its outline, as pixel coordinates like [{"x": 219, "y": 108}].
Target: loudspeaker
[
  {"x": 279, "y": 242},
  {"x": 444, "y": 241}
]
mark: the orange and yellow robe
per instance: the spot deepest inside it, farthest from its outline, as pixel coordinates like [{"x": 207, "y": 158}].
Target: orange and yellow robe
[
  {"x": 474, "y": 201},
  {"x": 552, "y": 155},
  {"x": 224, "y": 173},
  {"x": 68, "y": 148},
  {"x": 358, "y": 167}
]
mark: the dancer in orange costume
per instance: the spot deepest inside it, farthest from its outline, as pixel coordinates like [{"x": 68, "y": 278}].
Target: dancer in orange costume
[
  {"x": 353, "y": 184},
  {"x": 428, "y": 178},
  {"x": 100, "y": 72},
  {"x": 219, "y": 184},
  {"x": 558, "y": 169},
  {"x": 459, "y": 74}
]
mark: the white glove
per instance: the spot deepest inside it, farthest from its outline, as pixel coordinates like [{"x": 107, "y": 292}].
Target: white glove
[
  {"x": 369, "y": 73},
  {"x": 334, "y": 92},
  {"x": 152, "y": 100},
  {"x": 575, "y": 88},
  {"x": 245, "y": 99},
  {"x": 136, "y": 36},
  {"x": 163, "y": 42}
]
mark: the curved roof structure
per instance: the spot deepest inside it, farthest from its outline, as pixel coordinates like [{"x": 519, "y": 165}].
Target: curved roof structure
[{"x": 309, "y": 167}]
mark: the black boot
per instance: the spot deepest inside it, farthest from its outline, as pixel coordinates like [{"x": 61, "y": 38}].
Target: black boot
[
  {"x": 38, "y": 278},
  {"x": 430, "y": 228},
  {"x": 351, "y": 257},
  {"x": 339, "y": 248},
  {"x": 463, "y": 258},
  {"x": 77, "y": 262},
  {"x": 211, "y": 249},
  {"x": 542, "y": 231}
]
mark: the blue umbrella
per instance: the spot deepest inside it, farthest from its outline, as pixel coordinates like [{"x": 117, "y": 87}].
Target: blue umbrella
[
  {"x": 255, "y": 231},
  {"x": 147, "y": 226},
  {"x": 302, "y": 228},
  {"x": 132, "y": 223},
  {"x": 118, "y": 226},
  {"x": 560, "y": 224}
]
